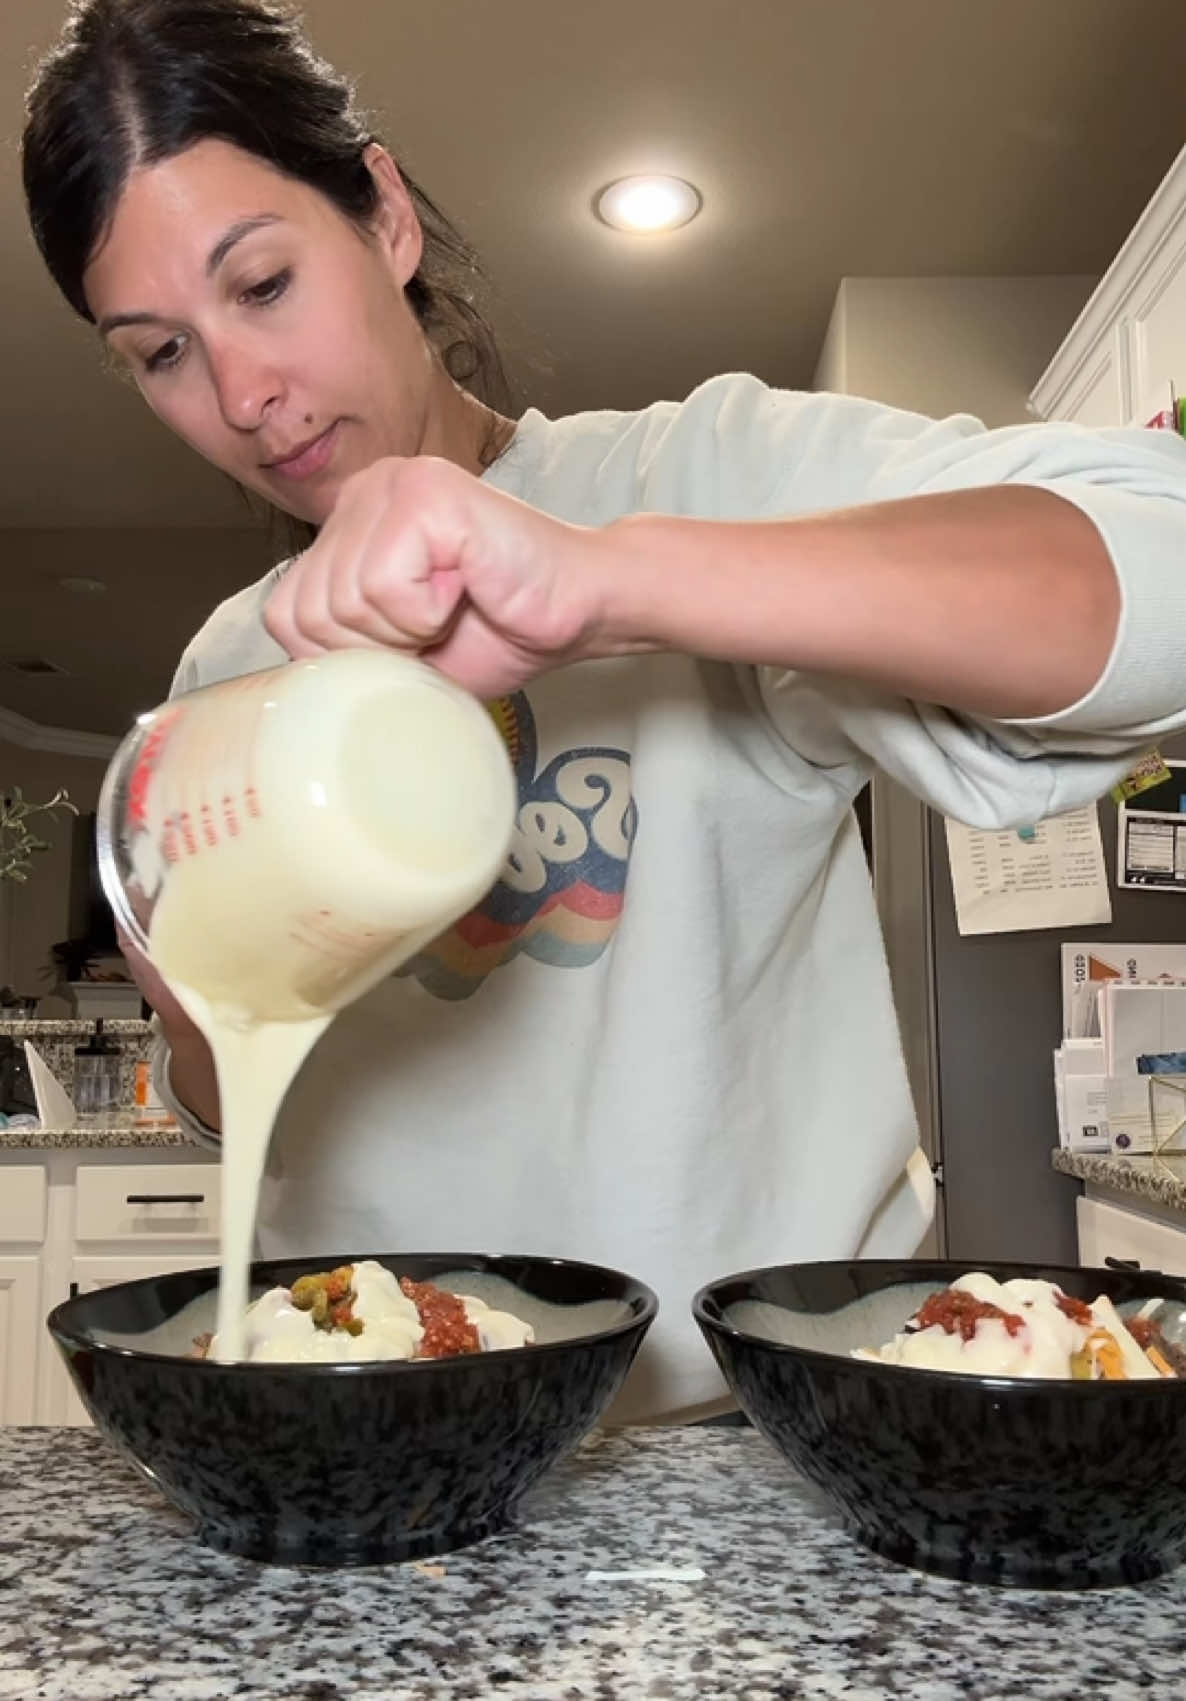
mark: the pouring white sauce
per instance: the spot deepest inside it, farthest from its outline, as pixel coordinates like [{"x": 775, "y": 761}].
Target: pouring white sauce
[{"x": 300, "y": 834}]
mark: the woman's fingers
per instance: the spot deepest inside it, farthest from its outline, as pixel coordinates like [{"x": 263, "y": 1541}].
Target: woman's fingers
[
  {"x": 420, "y": 556},
  {"x": 379, "y": 573}
]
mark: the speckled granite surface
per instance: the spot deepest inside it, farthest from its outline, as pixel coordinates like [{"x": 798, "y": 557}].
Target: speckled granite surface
[
  {"x": 105, "y": 1596},
  {"x": 123, "y": 1027},
  {"x": 120, "y": 1130},
  {"x": 1160, "y": 1178}
]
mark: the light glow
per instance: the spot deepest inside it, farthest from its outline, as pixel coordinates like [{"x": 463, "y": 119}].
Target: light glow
[{"x": 648, "y": 204}]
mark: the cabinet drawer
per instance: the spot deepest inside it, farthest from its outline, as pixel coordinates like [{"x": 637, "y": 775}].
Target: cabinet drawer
[
  {"x": 146, "y": 1203},
  {"x": 86, "y": 1275},
  {"x": 22, "y": 1204},
  {"x": 1107, "y": 1231}
]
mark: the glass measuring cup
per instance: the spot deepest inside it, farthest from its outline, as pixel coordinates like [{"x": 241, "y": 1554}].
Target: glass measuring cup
[{"x": 288, "y": 838}]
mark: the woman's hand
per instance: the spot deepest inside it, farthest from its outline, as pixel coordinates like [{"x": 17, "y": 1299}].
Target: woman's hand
[{"x": 420, "y": 556}]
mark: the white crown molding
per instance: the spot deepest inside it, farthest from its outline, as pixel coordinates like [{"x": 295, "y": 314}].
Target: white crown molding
[
  {"x": 1157, "y": 231},
  {"x": 62, "y": 740}
]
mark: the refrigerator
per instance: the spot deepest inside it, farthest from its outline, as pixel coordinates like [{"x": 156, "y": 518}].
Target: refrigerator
[{"x": 980, "y": 1017}]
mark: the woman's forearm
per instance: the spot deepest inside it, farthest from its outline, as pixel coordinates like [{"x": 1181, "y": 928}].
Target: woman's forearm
[
  {"x": 999, "y": 601},
  {"x": 192, "y": 1076}
]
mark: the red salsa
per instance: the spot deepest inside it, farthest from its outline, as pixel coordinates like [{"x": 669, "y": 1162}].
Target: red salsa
[
  {"x": 1077, "y": 1310},
  {"x": 954, "y": 1311},
  {"x": 447, "y": 1330}
]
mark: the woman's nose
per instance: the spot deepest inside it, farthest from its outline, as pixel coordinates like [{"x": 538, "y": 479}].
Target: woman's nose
[{"x": 246, "y": 386}]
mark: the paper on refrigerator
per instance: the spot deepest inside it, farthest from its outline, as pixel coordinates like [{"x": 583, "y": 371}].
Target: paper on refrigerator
[
  {"x": 1012, "y": 880},
  {"x": 1140, "y": 1019},
  {"x": 1087, "y": 964}
]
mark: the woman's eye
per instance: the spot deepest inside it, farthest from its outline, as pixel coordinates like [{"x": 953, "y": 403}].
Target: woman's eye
[
  {"x": 270, "y": 290},
  {"x": 167, "y": 355}
]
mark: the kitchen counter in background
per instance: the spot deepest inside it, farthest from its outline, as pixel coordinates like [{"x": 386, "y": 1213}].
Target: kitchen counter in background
[
  {"x": 74, "y": 1029},
  {"x": 111, "y": 1598},
  {"x": 120, "y": 1130},
  {"x": 1160, "y": 1179},
  {"x": 56, "y": 1041}
]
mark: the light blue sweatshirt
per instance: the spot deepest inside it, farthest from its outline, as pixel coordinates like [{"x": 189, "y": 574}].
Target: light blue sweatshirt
[{"x": 666, "y": 1041}]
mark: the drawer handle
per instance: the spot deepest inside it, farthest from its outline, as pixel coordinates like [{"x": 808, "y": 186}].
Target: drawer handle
[
  {"x": 165, "y": 1199},
  {"x": 1133, "y": 1264}
]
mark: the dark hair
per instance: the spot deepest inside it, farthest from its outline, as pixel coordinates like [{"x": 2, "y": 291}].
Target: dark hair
[{"x": 133, "y": 82}]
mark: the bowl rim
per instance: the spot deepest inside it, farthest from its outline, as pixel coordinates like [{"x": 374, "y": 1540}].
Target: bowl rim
[
  {"x": 63, "y": 1331},
  {"x": 1035, "y": 1386}
]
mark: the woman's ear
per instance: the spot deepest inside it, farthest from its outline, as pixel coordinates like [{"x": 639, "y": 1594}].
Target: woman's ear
[{"x": 396, "y": 224}]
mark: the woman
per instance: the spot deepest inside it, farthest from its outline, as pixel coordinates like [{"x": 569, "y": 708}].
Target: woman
[{"x": 701, "y": 625}]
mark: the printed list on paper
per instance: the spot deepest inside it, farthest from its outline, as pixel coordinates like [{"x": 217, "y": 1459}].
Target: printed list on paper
[{"x": 1048, "y": 875}]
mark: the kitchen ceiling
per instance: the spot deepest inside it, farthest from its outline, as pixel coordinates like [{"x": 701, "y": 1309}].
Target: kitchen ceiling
[{"x": 830, "y": 138}]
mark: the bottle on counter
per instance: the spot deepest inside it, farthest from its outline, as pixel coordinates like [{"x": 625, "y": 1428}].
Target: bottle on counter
[
  {"x": 96, "y": 1074},
  {"x": 148, "y": 1106}
]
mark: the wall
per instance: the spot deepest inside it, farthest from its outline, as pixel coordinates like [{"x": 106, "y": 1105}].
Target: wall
[
  {"x": 948, "y": 345},
  {"x": 33, "y": 916}
]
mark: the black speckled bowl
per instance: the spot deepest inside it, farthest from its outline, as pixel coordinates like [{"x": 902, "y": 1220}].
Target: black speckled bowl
[
  {"x": 1040, "y": 1483},
  {"x": 353, "y": 1464}
]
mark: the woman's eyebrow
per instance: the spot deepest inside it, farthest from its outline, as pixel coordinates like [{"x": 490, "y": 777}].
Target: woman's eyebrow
[
  {"x": 215, "y": 258},
  {"x": 236, "y": 233}
]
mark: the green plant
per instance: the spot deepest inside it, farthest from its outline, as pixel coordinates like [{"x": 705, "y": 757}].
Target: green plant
[{"x": 18, "y": 843}]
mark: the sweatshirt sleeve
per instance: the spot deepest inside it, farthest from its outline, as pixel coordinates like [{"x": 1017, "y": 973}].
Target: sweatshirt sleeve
[
  {"x": 794, "y": 454},
  {"x": 160, "y": 1059},
  {"x": 233, "y": 641}
]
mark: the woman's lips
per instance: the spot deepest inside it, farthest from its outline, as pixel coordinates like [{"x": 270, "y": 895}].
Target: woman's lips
[{"x": 308, "y": 460}]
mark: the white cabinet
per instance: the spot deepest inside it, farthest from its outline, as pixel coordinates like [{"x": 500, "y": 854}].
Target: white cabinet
[
  {"x": 1129, "y": 342},
  {"x": 20, "y": 1322},
  {"x": 1157, "y": 331},
  {"x": 147, "y": 1204},
  {"x": 1111, "y": 1231},
  {"x": 77, "y": 1219},
  {"x": 22, "y": 1205},
  {"x": 23, "y": 1196},
  {"x": 86, "y": 1274}
]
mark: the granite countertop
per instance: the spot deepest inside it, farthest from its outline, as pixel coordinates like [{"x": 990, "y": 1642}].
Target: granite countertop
[
  {"x": 729, "y": 1581},
  {"x": 1162, "y": 1179},
  {"x": 120, "y": 1129},
  {"x": 72, "y": 1027}
]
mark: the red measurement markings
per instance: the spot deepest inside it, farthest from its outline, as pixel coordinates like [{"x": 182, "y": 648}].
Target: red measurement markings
[{"x": 146, "y": 765}]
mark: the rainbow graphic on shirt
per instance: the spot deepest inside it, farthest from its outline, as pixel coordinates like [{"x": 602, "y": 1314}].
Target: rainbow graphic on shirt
[{"x": 561, "y": 891}]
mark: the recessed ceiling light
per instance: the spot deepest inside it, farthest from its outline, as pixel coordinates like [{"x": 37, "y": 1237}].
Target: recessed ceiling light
[
  {"x": 84, "y": 586},
  {"x": 648, "y": 203}
]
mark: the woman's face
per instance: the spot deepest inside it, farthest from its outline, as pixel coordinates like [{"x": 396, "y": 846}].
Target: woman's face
[{"x": 263, "y": 327}]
